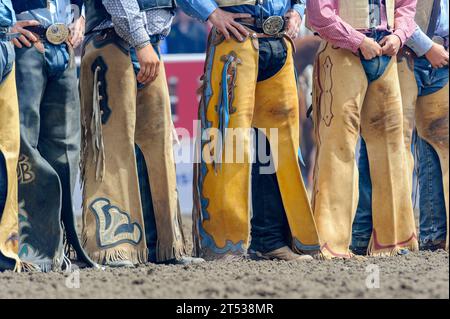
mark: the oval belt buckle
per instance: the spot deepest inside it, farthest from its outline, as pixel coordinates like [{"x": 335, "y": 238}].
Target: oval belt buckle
[
  {"x": 273, "y": 25},
  {"x": 57, "y": 33}
]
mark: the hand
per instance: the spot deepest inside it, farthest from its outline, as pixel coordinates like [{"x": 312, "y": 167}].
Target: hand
[
  {"x": 27, "y": 38},
  {"x": 77, "y": 32},
  {"x": 225, "y": 22},
  {"x": 149, "y": 62},
  {"x": 293, "y": 23},
  {"x": 437, "y": 56},
  {"x": 391, "y": 44},
  {"x": 370, "y": 48}
]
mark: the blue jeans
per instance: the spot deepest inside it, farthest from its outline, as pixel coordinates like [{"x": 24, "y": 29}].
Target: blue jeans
[
  {"x": 269, "y": 224},
  {"x": 7, "y": 57},
  {"x": 49, "y": 154},
  {"x": 270, "y": 228},
  {"x": 433, "y": 223}
]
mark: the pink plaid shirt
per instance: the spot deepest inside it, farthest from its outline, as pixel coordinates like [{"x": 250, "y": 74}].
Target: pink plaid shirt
[{"x": 324, "y": 19}]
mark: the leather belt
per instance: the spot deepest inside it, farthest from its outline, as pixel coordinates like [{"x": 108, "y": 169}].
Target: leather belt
[
  {"x": 271, "y": 26},
  {"x": 56, "y": 34},
  {"x": 104, "y": 37}
]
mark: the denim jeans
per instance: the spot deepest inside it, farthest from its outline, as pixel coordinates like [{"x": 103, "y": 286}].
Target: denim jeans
[
  {"x": 432, "y": 205},
  {"x": 151, "y": 232},
  {"x": 50, "y": 144},
  {"x": 433, "y": 222},
  {"x": 269, "y": 224},
  {"x": 270, "y": 228},
  {"x": 7, "y": 57}
]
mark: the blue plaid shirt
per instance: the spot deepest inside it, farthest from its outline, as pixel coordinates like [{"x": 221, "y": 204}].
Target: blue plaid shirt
[{"x": 134, "y": 26}]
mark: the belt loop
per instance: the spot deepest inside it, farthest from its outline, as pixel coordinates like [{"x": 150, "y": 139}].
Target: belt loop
[{"x": 260, "y": 15}]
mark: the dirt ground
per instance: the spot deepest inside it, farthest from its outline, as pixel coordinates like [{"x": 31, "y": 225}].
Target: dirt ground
[{"x": 418, "y": 275}]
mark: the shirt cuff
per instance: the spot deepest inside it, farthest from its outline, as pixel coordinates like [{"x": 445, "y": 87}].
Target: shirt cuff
[
  {"x": 139, "y": 38},
  {"x": 198, "y": 10},
  {"x": 420, "y": 43},
  {"x": 402, "y": 35},
  {"x": 300, "y": 8},
  {"x": 355, "y": 41},
  {"x": 207, "y": 9}
]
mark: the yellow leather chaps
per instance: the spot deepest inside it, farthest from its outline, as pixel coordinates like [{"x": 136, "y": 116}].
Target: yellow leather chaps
[
  {"x": 234, "y": 103},
  {"x": 9, "y": 148}
]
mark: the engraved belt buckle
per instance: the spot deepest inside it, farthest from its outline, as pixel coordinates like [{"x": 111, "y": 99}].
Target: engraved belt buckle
[
  {"x": 57, "y": 33},
  {"x": 273, "y": 25}
]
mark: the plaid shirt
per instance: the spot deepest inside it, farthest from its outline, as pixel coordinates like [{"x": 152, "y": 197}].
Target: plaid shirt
[
  {"x": 324, "y": 19},
  {"x": 135, "y": 26}
]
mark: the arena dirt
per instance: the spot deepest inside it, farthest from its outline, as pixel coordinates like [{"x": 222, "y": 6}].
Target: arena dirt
[{"x": 418, "y": 275}]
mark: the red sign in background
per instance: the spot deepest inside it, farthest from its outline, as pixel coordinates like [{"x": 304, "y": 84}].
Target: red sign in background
[{"x": 183, "y": 77}]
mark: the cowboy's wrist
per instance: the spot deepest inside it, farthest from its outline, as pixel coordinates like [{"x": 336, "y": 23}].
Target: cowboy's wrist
[{"x": 142, "y": 45}]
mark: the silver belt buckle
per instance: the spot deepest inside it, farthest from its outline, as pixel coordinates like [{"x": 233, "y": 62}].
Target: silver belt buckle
[
  {"x": 57, "y": 33},
  {"x": 273, "y": 25}
]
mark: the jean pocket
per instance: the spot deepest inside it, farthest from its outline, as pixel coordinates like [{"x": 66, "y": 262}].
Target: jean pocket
[{"x": 11, "y": 55}]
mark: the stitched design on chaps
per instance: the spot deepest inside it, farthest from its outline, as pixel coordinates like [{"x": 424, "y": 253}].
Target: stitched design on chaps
[
  {"x": 114, "y": 226},
  {"x": 326, "y": 95},
  {"x": 202, "y": 239},
  {"x": 378, "y": 246},
  {"x": 26, "y": 250},
  {"x": 225, "y": 106},
  {"x": 99, "y": 66},
  {"x": 100, "y": 115},
  {"x": 25, "y": 170}
]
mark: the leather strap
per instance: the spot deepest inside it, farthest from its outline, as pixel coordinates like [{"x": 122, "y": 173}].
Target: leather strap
[
  {"x": 38, "y": 30},
  {"x": 251, "y": 23}
]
